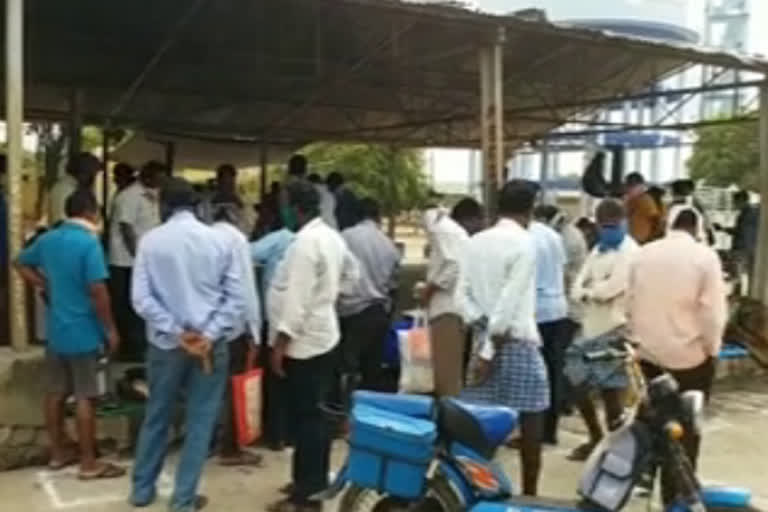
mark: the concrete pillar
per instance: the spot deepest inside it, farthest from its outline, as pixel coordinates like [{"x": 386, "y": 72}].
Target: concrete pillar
[
  {"x": 498, "y": 107},
  {"x": 75, "y": 127},
  {"x": 759, "y": 285},
  {"x": 544, "y": 165},
  {"x": 484, "y": 62},
  {"x": 263, "y": 177},
  {"x": 14, "y": 118}
]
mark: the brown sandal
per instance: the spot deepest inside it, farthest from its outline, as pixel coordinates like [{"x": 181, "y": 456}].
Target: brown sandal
[
  {"x": 68, "y": 460},
  {"x": 106, "y": 471},
  {"x": 582, "y": 452}
]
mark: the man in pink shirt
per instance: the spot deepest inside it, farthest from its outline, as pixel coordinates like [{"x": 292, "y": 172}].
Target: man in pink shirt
[{"x": 677, "y": 312}]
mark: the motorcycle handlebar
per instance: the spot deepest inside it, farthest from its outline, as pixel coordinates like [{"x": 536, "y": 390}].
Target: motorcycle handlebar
[{"x": 609, "y": 354}]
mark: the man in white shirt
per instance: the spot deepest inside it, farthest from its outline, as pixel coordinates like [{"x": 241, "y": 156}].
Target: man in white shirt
[
  {"x": 683, "y": 199},
  {"x": 497, "y": 297},
  {"x": 304, "y": 330},
  {"x": 244, "y": 343},
  {"x": 327, "y": 200},
  {"x": 81, "y": 173},
  {"x": 447, "y": 238},
  {"x": 677, "y": 313},
  {"x": 135, "y": 210}
]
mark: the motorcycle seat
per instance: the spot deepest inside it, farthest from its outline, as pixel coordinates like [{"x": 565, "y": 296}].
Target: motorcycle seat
[
  {"x": 416, "y": 406},
  {"x": 481, "y": 428}
]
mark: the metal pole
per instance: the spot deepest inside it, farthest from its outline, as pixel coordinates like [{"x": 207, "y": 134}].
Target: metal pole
[
  {"x": 75, "y": 122},
  {"x": 170, "y": 155},
  {"x": 498, "y": 106},
  {"x": 544, "y": 165},
  {"x": 14, "y": 118},
  {"x": 105, "y": 175},
  {"x": 263, "y": 177},
  {"x": 485, "y": 105},
  {"x": 759, "y": 282}
]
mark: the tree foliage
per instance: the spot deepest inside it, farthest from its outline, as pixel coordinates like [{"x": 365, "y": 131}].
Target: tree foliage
[
  {"x": 726, "y": 155},
  {"x": 394, "y": 177}
]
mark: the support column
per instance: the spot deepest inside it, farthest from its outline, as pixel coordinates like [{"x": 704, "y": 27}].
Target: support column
[
  {"x": 105, "y": 174},
  {"x": 75, "y": 122},
  {"x": 498, "y": 109},
  {"x": 170, "y": 156},
  {"x": 491, "y": 60},
  {"x": 485, "y": 139},
  {"x": 14, "y": 118},
  {"x": 544, "y": 166},
  {"x": 263, "y": 178},
  {"x": 759, "y": 283}
]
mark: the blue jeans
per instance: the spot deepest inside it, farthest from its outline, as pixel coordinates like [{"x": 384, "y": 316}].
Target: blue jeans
[{"x": 171, "y": 373}]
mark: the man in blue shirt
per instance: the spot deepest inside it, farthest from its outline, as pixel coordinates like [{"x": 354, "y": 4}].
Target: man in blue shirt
[
  {"x": 67, "y": 264},
  {"x": 551, "y": 314},
  {"x": 187, "y": 287}
]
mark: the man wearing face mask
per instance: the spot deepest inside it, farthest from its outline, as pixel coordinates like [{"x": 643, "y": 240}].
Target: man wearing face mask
[{"x": 601, "y": 287}]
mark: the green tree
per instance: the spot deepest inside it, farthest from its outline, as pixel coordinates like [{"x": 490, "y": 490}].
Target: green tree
[
  {"x": 393, "y": 176},
  {"x": 726, "y": 155}
]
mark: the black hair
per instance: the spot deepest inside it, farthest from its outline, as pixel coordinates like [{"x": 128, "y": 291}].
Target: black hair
[
  {"x": 610, "y": 210},
  {"x": 657, "y": 193},
  {"x": 741, "y": 196},
  {"x": 466, "y": 209},
  {"x": 314, "y": 178},
  {"x": 80, "y": 203},
  {"x": 369, "y": 209},
  {"x": 634, "y": 178},
  {"x": 683, "y": 187},
  {"x": 3, "y": 164},
  {"x": 686, "y": 219},
  {"x": 178, "y": 193},
  {"x": 304, "y": 197},
  {"x": 83, "y": 163},
  {"x": 546, "y": 212},
  {"x": 297, "y": 165},
  {"x": 517, "y": 198},
  {"x": 153, "y": 168},
  {"x": 334, "y": 180},
  {"x": 124, "y": 168},
  {"x": 225, "y": 169}
]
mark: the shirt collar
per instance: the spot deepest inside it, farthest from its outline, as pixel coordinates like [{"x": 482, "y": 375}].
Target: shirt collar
[
  {"x": 80, "y": 223},
  {"x": 680, "y": 234},
  {"x": 311, "y": 224},
  {"x": 505, "y": 222},
  {"x": 182, "y": 214}
]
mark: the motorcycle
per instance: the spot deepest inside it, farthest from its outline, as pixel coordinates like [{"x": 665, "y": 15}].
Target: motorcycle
[{"x": 416, "y": 453}]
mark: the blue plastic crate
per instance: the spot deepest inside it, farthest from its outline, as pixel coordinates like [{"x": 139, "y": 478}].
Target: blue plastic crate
[{"x": 390, "y": 452}]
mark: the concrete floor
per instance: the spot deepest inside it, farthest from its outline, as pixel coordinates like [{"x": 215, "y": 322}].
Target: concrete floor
[{"x": 734, "y": 453}]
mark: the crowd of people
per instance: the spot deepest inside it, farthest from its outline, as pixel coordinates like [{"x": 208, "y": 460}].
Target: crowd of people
[{"x": 505, "y": 301}]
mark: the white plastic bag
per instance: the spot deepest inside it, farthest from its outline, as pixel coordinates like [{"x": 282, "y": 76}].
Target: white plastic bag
[{"x": 417, "y": 374}]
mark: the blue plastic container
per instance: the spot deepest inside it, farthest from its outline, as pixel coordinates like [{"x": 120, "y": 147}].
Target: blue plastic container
[
  {"x": 390, "y": 452},
  {"x": 726, "y": 497},
  {"x": 416, "y": 406}
]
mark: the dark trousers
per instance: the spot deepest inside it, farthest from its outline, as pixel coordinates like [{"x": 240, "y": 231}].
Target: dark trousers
[
  {"x": 555, "y": 338},
  {"x": 362, "y": 346},
  {"x": 238, "y": 354},
  {"x": 275, "y": 404},
  {"x": 309, "y": 383},
  {"x": 133, "y": 344},
  {"x": 699, "y": 378}
]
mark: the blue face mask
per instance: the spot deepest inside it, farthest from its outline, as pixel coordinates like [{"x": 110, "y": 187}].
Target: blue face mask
[{"x": 611, "y": 237}]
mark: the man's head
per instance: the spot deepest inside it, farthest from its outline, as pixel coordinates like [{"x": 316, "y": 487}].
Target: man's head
[
  {"x": 610, "y": 212},
  {"x": 304, "y": 200},
  {"x": 369, "y": 209},
  {"x": 469, "y": 214},
  {"x": 226, "y": 178},
  {"x": 682, "y": 189},
  {"x": 687, "y": 220},
  {"x": 177, "y": 194},
  {"x": 633, "y": 183},
  {"x": 297, "y": 166},
  {"x": 740, "y": 199},
  {"x": 315, "y": 179},
  {"x": 123, "y": 175},
  {"x": 334, "y": 181},
  {"x": 152, "y": 173},
  {"x": 516, "y": 200},
  {"x": 82, "y": 204},
  {"x": 84, "y": 167}
]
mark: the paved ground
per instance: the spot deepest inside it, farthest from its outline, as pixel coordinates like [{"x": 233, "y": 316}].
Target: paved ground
[{"x": 735, "y": 453}]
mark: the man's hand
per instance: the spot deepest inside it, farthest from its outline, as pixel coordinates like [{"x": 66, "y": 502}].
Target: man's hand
[
  {"x": 252, "y": 358},
  {"x": 113, "y": 341},
  {"x": 278, "y": 354},
  {"x": 198, "y": 346}
]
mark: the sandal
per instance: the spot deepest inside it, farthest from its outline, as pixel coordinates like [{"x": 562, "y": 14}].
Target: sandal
[
  {"x": 582, "y": 452},
  {"x": 105, "y": 471},
  {"x": 68, "y": 460},
  {"x": 242, "y": 459}
]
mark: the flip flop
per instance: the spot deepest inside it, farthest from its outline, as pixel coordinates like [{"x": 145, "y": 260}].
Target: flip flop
[
  {"x": 106, "y": 471},
  {"x": 69, "y": 460},
  {"x": 582, "y": 452}
]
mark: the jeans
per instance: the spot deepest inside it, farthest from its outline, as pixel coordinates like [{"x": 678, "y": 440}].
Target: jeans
[
  {"x": 555, "y": 338},
  {"x": 309, "y": 383},
  {"x": 171, "y": 373}
]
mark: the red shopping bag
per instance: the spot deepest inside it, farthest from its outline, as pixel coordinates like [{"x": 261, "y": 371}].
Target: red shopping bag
[{"x": 246, "y": 396}]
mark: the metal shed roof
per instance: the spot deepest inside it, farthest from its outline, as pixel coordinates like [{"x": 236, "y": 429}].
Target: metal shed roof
[{"x": 292, "y": 71}]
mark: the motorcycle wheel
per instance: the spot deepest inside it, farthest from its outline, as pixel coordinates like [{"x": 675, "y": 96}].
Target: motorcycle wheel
[{"x": 439, "y": 497}]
